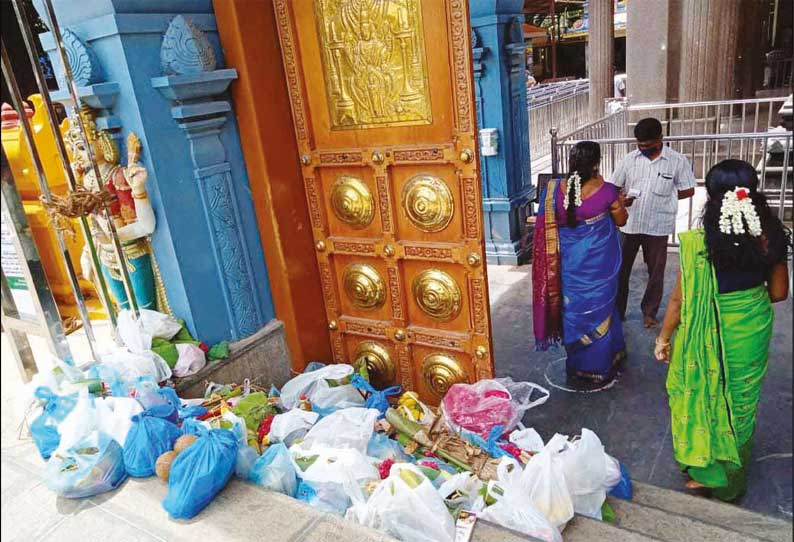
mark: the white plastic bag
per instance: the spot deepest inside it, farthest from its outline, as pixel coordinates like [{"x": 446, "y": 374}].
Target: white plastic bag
[
  {"x": 159, "y": 325},
  {"x": 514, "y": 508},
  {"x": 411, "y": 511},
  {"x": 614, "y": 474},
  {"x": 544, "y": 479},
  {"x": 302, "y": 384},
  {"x": 346, "y": 428},
  {"x": 191, "y": 360},
  {"x": 132, "y": 333},
  {"x": 584, "y": 463},
  {"x": 525, "y": 395},
  {"x": 114, "y": 416},
  {"x": 291, "y": 425},
  {"x": 527, "y": 439}
]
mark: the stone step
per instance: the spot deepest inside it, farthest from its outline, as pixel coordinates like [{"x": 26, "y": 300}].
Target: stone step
[
  {"x": 583, "y": 529},
  {"x": 708, "y": 511}
]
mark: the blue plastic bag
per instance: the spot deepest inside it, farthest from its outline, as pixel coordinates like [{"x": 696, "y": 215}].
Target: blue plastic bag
[
  {"x": 246, "y": 457},
  {"x": 274, "y": 470},
  {"x": 192, "y": 426},
  {"x": 382, "y": 447},
  {"x": 200, "y": 472},
  {"x": 193, "y": 411},
  {"x": 327, "y": 497},
  {"x": 44, "y": 428},
  {"x": 92, "y": 466},
  {"x": 150, "y": 436},
  {"x": 375, "y": 399},
  {"x": 624, "y": 488}
]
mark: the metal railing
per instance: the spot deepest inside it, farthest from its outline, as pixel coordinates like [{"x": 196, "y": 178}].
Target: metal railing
[{"x": 562, "y": 113}]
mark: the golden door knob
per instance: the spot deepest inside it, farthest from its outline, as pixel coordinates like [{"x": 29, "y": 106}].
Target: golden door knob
[
  {"x": 473, "y": 259},
  {"x": 320, "y": 246},
  {"x": 332, "y": 325},
  {"x": 481, "y": 352},
  {"x": 306, "y": 160},
  {"x": 388, "y": 250},
  {"x": 466, "y": 156},
  {"x": 399, "y": 335},
  {"x": 377, "y": 157}
]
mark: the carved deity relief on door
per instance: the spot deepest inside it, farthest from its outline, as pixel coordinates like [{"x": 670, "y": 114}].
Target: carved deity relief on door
[{"x": 386, "y": 132}]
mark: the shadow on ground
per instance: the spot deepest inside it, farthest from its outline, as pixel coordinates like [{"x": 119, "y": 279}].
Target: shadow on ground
[{"x": 632, "y": 417}]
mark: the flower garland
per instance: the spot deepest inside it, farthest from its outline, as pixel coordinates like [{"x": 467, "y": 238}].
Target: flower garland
[
  {"x": 736, "y": 204},
  {"x": 575, "y": 184}
]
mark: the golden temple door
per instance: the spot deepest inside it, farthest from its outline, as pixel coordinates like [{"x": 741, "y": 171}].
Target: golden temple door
[{"x": 383, "y": 108}]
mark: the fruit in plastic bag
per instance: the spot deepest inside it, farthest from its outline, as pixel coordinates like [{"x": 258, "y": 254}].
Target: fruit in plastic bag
[
  {"x": 150, "y": 436},
  {"x": 200, "y": 472},
  {"x": 183, "y": 442},
  {"x": 513, "y": 507},
  {"x": 44, "y": 428},
  {"x": 274, "y": 471},
  {"x": 291, "y": 425},
  {"x": 544, "y": 480},
  {"x": 407, "y": 506},
  {"x": 246, "y": 457},
  {"x": 92, "y": 466},
  {"x": 331, "y": 376}
]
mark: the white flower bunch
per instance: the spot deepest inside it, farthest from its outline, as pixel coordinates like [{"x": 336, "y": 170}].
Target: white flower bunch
[
  {"x": 575, "y": 184},
  {"x": 736, "y": 205}
]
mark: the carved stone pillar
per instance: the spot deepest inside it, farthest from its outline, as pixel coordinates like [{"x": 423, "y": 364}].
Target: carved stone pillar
[
  {"x": 601, "y": 54},
  {"x": 499, "y": 54}
]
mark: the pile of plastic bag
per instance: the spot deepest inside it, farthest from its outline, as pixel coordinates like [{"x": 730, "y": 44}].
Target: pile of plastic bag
[{"x": 328, "y": 438}]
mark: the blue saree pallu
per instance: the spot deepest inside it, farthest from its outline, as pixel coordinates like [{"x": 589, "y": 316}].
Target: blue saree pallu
[{"x": 592, "y": 330}]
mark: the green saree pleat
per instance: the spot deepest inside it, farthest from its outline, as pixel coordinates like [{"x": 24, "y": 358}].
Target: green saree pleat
[{"x": 714, "y": 380}]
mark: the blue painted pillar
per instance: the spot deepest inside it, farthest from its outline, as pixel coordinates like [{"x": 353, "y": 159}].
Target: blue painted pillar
[
  {"x": 167, "y": 84},
  {"x": 501, "y": 95}
]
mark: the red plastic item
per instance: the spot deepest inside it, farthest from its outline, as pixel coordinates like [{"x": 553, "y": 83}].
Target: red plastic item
[{"x": 385, "y": 467}]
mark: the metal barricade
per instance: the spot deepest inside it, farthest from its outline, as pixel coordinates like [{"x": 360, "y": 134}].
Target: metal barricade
[{"x": 562, "y": 113}]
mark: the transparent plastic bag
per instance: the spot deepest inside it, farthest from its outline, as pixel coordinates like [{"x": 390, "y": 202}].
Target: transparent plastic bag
[
  {"x": 584, "y": 464},
  {"x": 246, "y": 457},
  {"x": 407, "y": 506},
  {"x": 291, "y": 425},
  {"x": 274, "y": 471},
  {"x": 461, "y": 491},
  {"x": 346, "y": 428},
  {"x": 191, "y": 360},
  {"x": 114, "y": 416},
  {"x": 150, "y": 436},
  {"x": 304, "y": 383},
  {"x": 92, "y": 466},
  {"x": 79, "y": 423},
  {"x": 159, "y": 325},
  {"x": 381, "y": 447},
  {"x": 527, "y": 439},
  {"x": 200, "y": 472},
  {"x": 326, "y": 497}
]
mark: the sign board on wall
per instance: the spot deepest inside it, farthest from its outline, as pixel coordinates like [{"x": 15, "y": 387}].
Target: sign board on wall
[{"x": 14, "y": 273}]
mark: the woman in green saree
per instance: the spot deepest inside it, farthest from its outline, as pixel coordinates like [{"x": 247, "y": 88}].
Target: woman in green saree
[{"x": 730, "y": 273}]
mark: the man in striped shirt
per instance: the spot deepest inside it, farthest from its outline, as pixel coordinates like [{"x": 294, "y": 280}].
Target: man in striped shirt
[{"x": 653, "y": 178}]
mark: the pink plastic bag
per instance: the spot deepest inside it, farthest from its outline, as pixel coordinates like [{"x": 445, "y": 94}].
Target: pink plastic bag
[{"x": 479, "y": 407}]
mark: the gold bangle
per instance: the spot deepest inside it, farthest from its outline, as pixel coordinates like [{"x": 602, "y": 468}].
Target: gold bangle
[{"x": 661, "y": 343}]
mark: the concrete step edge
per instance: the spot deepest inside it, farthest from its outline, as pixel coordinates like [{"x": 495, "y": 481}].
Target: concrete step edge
[
  {"x": 713, "y": 512},
  {"x": 672, "y": 527},
  {"x": 585, "y": 529}
]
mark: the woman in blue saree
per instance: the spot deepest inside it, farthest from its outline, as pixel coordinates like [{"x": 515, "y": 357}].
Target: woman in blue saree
[{"x": 576, "y": 266}]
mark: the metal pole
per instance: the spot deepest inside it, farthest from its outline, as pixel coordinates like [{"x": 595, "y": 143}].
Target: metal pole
[
  {"x": 16, "y": 98},
  {"x": 784, "y": 180},
  {"x": 117, "y": 248},
  {"x": 27, "y": 36},
  {"x": 555, "y": 166}
]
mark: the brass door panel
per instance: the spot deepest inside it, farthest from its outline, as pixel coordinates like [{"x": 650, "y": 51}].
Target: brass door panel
[{"x": 387, "y": 135}]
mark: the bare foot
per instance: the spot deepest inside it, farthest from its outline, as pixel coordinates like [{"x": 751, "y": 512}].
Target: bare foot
[
  {"x": 650, "y": 322},
  {"x": 692, "y": 484}
]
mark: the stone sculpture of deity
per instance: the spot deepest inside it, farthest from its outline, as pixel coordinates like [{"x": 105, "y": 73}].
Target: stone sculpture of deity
[{"x": 130, "y": 209}]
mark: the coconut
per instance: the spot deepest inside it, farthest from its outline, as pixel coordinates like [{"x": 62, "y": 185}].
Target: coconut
[
  {"x": 163, "y": 465},
  {"x": 183, "y": 442}
]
